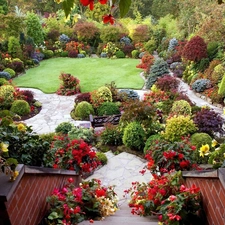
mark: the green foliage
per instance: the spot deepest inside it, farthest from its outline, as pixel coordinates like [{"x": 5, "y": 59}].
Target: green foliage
[
  {"x": 110, "y": 34},
  {"x": 64, "y": 127},
  {"x": 158, "y": 69},
  {"x": 135, "y": 54},
  {"x": 3, "y": 81},
  {"x": 151, "y": 141},
  {"x": 26, "y": 147},
  {"x": 20, "y": 107},
  {"x": 150, "y": 46},
  {"x": 120, "y": 54},
  {"x": 199, "y": 139},
  {"x": 14, "y": 47},
  {"x": 181, "y": 107},
  {"x": 34, "y": 28},
  {"x": 178, "y": 127},
  {"x": 216, "y": 158},
  {"x": 102, "y": 158},
  {"x": 212, "y": 49},
  {"x": 134, "y": 136},
  {"x": 10, "y": 71},
  {"x": 81, "y": 133},
  {"x": 218, "y": 73},
  {"x": 82, "y": 111},
  {"x": 6, "y": 96},
  {"x": 48, "y": 54},
  {"x": 111, "y": 135},
  {"x": 108, "y": 108},
  {"x": 221, "y": 90},
  {"x": 3, "y": 7}
]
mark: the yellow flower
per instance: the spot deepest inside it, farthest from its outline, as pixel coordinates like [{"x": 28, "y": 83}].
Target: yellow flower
[
  {"x": 160, "y": 223},
  {"x": 4, "y": 147},
  {"x": 214, "y": 143},
  {"x": 224, "y": 155},
  {"x": 204, "y": 150},
  {"x": 21, "y": 127},
  {"x": 14, "y": 175}
]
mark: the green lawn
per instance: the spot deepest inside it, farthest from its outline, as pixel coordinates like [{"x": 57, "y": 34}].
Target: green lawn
[{"x": 92, "y": 73}]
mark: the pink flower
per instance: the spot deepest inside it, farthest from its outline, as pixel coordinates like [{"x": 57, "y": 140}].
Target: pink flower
[{"x": 172, "y": 198}]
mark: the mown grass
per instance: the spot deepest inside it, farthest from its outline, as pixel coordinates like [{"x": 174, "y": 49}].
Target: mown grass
[{"x": 92, "y": 73}]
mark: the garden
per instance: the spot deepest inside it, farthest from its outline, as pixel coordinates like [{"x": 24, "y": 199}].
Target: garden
[{"x": 165, "y": 128}]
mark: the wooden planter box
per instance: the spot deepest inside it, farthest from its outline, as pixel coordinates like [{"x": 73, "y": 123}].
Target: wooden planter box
[
  {"x": 23, "y": 202},
  {"x": 212, "y": 186}
]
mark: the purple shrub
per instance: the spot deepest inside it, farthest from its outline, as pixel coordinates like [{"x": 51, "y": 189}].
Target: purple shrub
[
  {"x": 72, "y": 54},
  {"x": 83, "y": 97},
  {"x": 208, "y": 121},
  {"x": 167, "y": 83}
]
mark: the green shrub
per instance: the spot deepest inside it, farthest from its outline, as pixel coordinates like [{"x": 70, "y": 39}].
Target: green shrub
[
  {"x": 135, "y": 54},
  {"x": 48, "y": 54},
  {"x": 134, "y": 136},
  {"x": 6, "y": 96},
  {"x": 150, "y": 46},
  {"x": 151, "y": 141},
  {"x": 212, "y": 49},
  {"x": 110, "y": 34},
  {"x": 64, "y": 127},
  {"x": 81, "y": 133},
  {"x": 181, "y": 107},
  {"x": 82, "y": 111},
  {"x": 199, "y": 139},
  {"x": 221, "y": 90},
  {"x": 14, "y": 47},
  {"x": 10, "y": 71},
  {"x": 120, "y": 54},
  {"x": 5, "y": 112},
  {"x": 64, "y": 54},
  {"x": 102, "y": 158},
  {"x": 3, "y": 81},
  {"x": 218, "y": 73},
  {"x": 48, "y": 137},
  {"x": 111, "y": 135},
  {"x": 216, "y": 158},
  {"x": 108, "y": 108},
  {"x": 158, "y": 69},
  {"x": 20, "y": 107},
  {"x": 178, "y": 126}
]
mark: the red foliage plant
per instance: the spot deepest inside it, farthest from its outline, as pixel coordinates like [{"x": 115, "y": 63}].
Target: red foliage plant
[
  {"x": 146, "y": 61},
  {"x": 195, "y": 49}
]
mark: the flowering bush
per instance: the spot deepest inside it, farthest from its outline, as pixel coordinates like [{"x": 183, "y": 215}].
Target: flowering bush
[
  {"x": 70, "y": 85},
  {"x": 164, "y": 156},
  {"x": 167, "y": 197},
  {"x": 71, "y": 205},
  {"x": 7, "y": 165},
  {"x": 75, "y": 155}
]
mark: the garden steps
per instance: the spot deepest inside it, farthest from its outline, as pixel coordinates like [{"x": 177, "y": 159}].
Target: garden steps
[{"x": 125, "y": 217}]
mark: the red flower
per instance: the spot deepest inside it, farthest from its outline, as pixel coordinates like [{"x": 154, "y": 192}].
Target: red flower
[
  {"x": 91, "y": 221},
  {"x": 142, "y": 172},
  {"x": 70, "y": 180},
  {"x": 172, "y": 198},
  {"x": 103, "y": 1},
  {"x": 108, "y": 19},
  {"x": 193, "y": 147},
  {"x": 100, "y": 193},
  {"x": 88, "y": 2},
  {"x": 184, "y": 164}
]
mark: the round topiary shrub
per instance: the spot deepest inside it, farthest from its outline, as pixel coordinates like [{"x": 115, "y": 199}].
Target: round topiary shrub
[
  {"x": 48, "y": 54},
  {"x": 64, "y": 127},
  {"x": 179, "y": 126},
  {"x": 200, "y": 85},
  {"x": 64, "y": 54},
  {"x": 3, "y": 81},
  {"x": 199, "y": 139},
  {"x": 82, "y": 111},
  {"x": 120, "y": 54},
  {"x": 181, "y": 107},
  {"x": 135, "y": 54},
  {"x": 20, "y": 107},
  {"x": 134, "y": 136},
  {"x": 105, "y": 93},
  {"x": 108, "y": 108},
  {"x": 6, "y": 96},
  {"x": 10, "y": 71}
]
